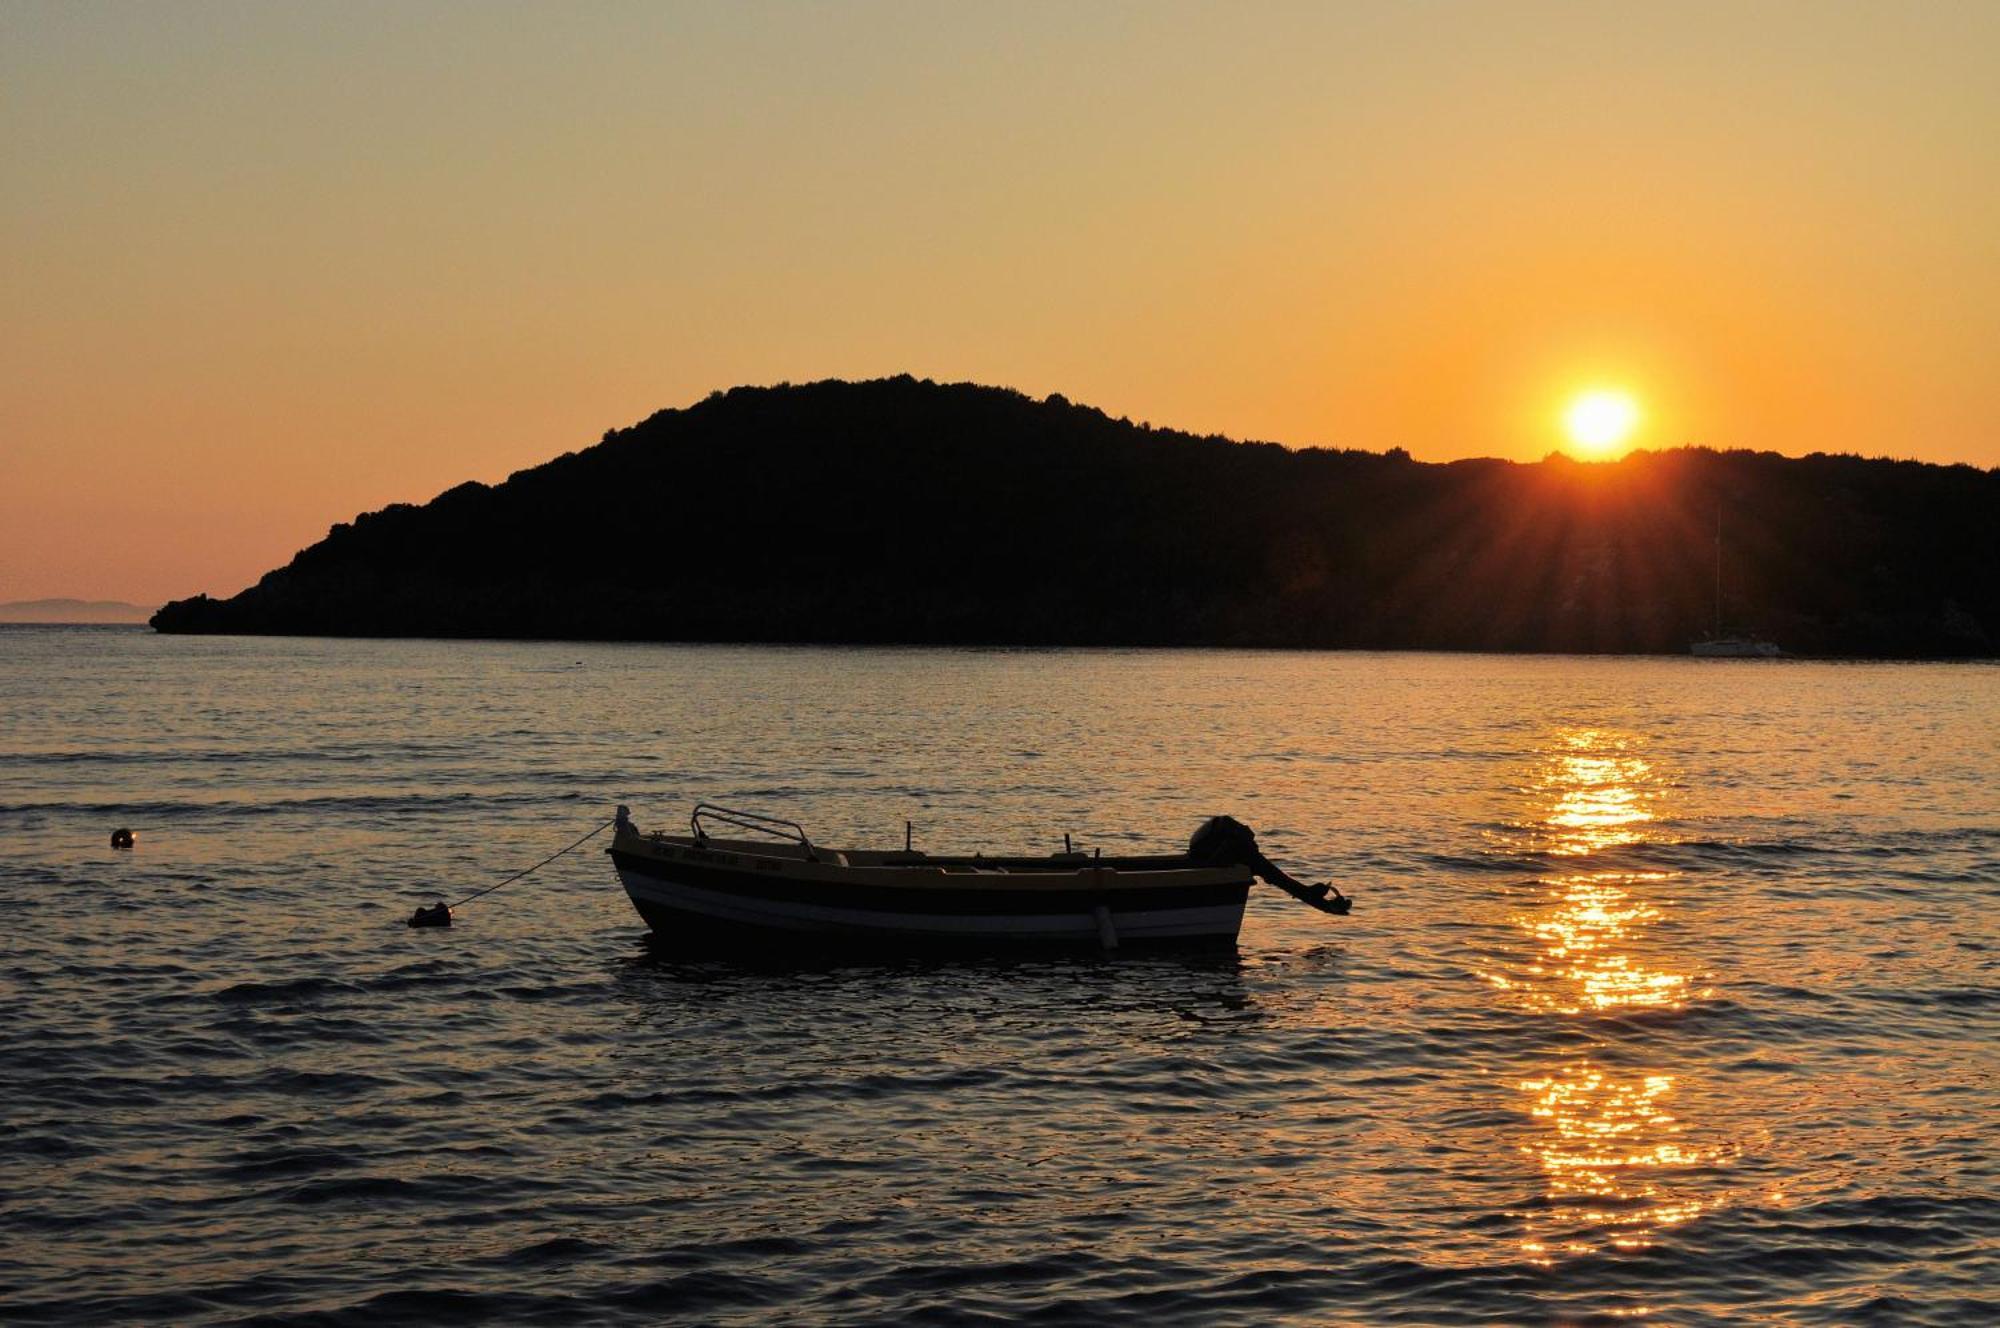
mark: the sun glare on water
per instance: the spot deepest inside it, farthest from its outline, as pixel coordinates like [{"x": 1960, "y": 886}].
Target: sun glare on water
[{"x": 1599, "y": 422}]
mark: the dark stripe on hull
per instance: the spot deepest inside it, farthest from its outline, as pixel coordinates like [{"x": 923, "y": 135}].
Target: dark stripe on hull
[
  {"x": 832, "y": 918},
  {"x": 978, "y": 900}
]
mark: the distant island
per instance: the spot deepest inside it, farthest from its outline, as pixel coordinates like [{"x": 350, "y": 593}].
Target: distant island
[
  {"x": 72, "y": 611},
  {"x": 902, "y": 510}
]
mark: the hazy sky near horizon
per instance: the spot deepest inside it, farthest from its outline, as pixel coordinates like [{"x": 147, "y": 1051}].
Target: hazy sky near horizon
[{"x": 268, "y": 265}]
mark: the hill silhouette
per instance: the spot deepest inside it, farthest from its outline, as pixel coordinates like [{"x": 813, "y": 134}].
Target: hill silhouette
[
  {"x": 72, "y": 611},
  {"x": 901, "y": 510}
]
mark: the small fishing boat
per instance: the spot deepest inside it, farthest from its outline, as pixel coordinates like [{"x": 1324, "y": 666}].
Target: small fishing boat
[{"x": 778, "y": 884}]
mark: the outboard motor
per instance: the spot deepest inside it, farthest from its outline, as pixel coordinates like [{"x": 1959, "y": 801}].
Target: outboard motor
[{"x": 1224, "y": 841}]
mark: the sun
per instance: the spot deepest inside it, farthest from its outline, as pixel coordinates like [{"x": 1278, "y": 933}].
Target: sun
[{"x": 1599, "y": 420}]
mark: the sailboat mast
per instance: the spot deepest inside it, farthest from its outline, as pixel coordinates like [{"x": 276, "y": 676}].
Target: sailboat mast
[{"x": 1718, "y": 571}]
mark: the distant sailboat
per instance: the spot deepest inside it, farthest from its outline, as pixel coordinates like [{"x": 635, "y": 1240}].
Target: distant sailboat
[
  {"x": 1736, "y": 647},
  {"x": 1717, "y": 646}
]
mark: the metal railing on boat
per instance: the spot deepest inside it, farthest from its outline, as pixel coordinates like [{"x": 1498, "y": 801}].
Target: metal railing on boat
[{"x": 777, "y": 827}]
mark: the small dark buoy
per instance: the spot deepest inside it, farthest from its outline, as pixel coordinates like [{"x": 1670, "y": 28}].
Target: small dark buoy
[
  {"x": 122, "y": 838},
  {"x": 438, "y": 915}
]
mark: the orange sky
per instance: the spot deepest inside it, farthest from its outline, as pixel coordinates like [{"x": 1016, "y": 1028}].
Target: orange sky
[{"x": 267, "y": 266}]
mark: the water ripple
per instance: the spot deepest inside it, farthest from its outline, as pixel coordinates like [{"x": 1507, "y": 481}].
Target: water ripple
[{"x": 1649, "y": 1007}]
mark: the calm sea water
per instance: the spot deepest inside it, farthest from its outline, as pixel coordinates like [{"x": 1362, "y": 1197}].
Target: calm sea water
[{"x": 1670, "y": 991}]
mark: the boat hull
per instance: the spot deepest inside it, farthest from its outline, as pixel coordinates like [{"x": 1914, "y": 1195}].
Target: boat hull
[{"x": 679, "y": 895}]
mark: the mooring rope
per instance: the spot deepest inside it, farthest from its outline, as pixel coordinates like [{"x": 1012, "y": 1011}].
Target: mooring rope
[{"x": 538, "y": 866}]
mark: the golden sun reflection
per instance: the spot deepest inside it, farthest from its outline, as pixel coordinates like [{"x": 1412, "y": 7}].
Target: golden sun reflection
[
  {"x": 1606, "y": 1143},
  {"x": 1610, "y": 1146},
  {"x": 1603, "y": 793},
  {"x": 1582, "y": 961},
  {"x": 1598, "y": 793}
]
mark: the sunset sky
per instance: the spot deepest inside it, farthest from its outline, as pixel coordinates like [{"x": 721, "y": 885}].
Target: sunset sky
[{"x": 269, "y": 265}]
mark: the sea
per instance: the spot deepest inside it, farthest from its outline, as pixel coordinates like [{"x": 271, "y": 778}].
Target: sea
[{"x": 1669, "y": 993}]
